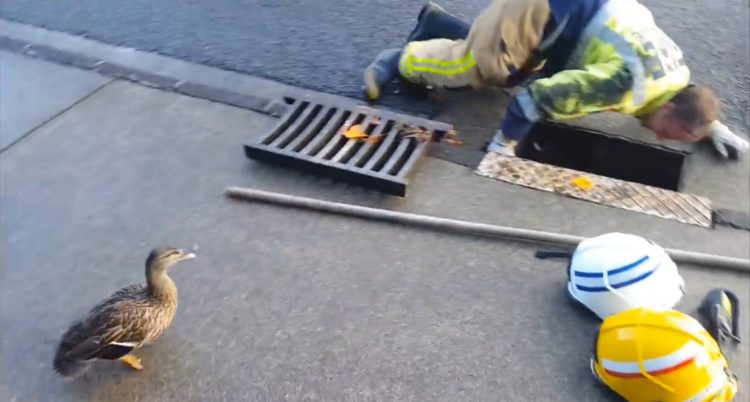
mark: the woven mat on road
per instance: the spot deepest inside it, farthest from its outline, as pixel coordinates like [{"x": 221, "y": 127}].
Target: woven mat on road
[{"x": 681, "y": 207}]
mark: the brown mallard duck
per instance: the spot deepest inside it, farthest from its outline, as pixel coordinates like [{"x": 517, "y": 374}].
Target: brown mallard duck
[{"x": 131, "y": 317}]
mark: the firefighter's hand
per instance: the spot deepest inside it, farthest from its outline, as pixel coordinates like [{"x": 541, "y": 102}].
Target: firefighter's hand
[{"x": 727, "y": 143}]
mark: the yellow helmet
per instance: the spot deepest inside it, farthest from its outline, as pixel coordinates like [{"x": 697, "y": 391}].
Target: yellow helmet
[{"x": 652, "y": 355}]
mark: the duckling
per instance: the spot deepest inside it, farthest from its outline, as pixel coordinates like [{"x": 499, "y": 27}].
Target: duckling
[{"x": 131, "y": 317}]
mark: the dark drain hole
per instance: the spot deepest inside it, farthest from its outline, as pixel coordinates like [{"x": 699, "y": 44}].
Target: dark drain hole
[
  {"x": 280, "y": 130},
  {"x": 315, "y": 130},
  {"x": 598, "y": 153},
  {"x": 303, "y": 125},
  {"x": 369, "y": 128},
  {"x": 341, "y": 140},
  {"x": 388, "y": 126},
  {"x": 388, "y": 153},
  {"x": 329, "y": 134},
  {"x": 410, "y": 146},
  {"x": 350, "y": 153},
  {"x": 373, "y": 148}
]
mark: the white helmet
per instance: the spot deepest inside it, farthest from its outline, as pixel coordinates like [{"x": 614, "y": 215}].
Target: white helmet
[{"x": 615, "y": 272}]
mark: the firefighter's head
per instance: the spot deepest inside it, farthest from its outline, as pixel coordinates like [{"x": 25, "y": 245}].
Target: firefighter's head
[{"x": 687, "y": 116}]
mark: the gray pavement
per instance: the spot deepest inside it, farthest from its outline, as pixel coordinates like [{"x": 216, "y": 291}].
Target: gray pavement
[
  {"x": 284, "y": 304},
  {"x": 21, "y": 112}
]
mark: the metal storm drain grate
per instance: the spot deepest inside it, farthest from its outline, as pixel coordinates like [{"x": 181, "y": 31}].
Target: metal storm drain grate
[
  {"x": 603, "y": 190},
  {"x": 310, "y": 137}
]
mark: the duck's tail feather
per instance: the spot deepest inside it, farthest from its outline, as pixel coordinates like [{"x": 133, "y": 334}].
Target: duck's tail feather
[
  {"x": 70, "y": 368},
  {"x": 73, "y": 355}
]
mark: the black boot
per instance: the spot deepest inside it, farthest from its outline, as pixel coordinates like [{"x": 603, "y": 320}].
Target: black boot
[
  {"x": 382, "y": 70},
  {"x": 434, "y": 22}
]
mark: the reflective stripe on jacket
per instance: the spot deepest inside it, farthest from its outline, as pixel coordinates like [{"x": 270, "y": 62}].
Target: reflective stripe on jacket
[{"x": 622, "y": 62}]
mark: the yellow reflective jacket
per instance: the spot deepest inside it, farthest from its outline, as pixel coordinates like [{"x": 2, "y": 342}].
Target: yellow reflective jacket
[
  {"x": 623, "y": 62},
  {"x": 620, "y": 62}
]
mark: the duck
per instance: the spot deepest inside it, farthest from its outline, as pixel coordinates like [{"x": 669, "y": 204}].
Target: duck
[{"x": 131, "y": 317}]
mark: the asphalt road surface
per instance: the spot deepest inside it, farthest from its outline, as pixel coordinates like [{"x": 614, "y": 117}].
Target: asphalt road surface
[{"x": 324, "y": 45}]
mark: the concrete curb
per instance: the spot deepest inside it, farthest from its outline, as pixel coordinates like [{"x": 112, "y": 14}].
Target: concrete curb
[{"x": 154, "y": 70}]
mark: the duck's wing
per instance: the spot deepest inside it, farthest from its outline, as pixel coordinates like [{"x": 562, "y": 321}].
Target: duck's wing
[
  {"x": 93, "y": 348},
  {"x": 114, "y": 327},
  {"x": 110, "y": 334}
]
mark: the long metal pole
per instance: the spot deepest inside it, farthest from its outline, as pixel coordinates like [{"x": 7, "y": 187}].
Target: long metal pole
[{"x": 466, "y": 227}]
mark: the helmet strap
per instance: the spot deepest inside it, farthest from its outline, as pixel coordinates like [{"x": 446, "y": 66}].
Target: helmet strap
[{"x": 641, "y": 365}]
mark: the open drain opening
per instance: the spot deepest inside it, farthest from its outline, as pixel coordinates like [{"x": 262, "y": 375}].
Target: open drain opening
[{"x": 604, "y": 155}]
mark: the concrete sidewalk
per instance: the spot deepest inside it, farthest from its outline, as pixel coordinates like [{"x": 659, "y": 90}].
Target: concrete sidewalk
[{"x": 283, "y": 304}]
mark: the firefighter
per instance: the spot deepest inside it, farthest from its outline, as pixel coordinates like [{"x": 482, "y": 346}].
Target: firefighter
[{"x": 591, "y": 56}]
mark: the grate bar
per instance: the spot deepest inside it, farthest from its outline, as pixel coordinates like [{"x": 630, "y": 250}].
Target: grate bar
[
  {"x": 308, "y": 137},
  {"x": 410, "y": 163},
  {"x": 290, "y": 117},
  {"x": 330, "y": 129},
  {"x": 337, "y": 141},
  {"x": 308, "y": 133},
  {"x": 386, "y": 148},
  {"x": 398, "y": 156},
  {"x": 366, "y": 151},
  {"x": 351, "y": 145},
  {"x": 293, "y": 131}
]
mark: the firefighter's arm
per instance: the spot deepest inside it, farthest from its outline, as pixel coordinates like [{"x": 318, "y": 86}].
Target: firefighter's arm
[{"x": 567, "y": 94}]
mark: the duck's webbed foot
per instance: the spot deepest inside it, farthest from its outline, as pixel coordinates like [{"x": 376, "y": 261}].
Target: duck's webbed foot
[{"x": 133, "y": 361}]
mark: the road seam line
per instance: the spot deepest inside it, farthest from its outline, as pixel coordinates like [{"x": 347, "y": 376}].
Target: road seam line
[{"x": 56, "y": 115}]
